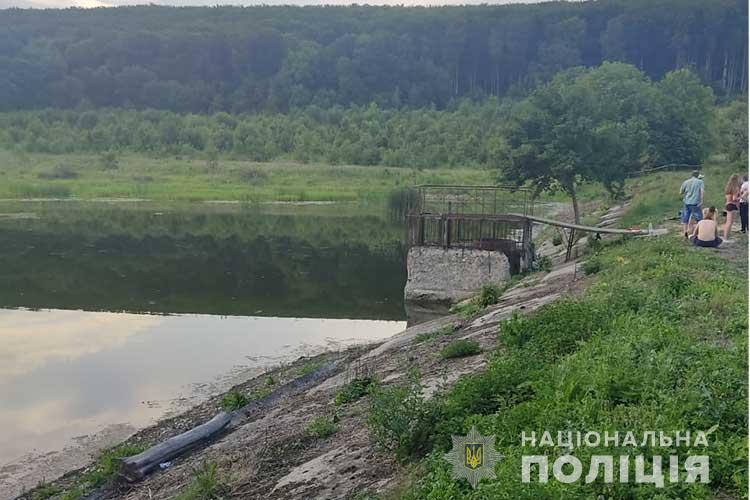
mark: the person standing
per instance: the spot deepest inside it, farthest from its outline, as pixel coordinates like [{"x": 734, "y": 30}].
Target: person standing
[
  {"x": 732, "y": 197},
  {"x": 692, "y": 191},
  {"x": 743, "y": 203}
]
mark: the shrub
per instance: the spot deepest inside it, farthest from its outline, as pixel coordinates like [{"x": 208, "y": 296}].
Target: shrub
[
  {"x": 321, "y": 427},
  {"x": 460, "y": 349},
  {"x": 400, "y": 419},
  {"x": 557, "y": 240},
  {"x": 592, "y": 266},
  {"x": 489, "y": 295},
  {"x": 543, "y": 263},
  {"x": 233, "y": 400},
  {"x": 354, "y": 390}
]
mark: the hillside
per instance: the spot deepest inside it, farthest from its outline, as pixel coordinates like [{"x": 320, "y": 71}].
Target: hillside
[{"x": 273, "y": 59}]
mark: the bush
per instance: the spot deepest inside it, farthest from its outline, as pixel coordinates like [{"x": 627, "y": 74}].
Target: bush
[
  {"x": 543, "y": 263},
  {"x": 460, "y": 349},
  {"x": 400, "y": 419},
  {"x": 354, "y": 390},
  {"x": 234, "y": 400},
  {"x": 321, "y": 427},
  {"x": 557, "y": 240},
  {"x": 592, "y": 266},
  {"x": 489, "y": 295}
]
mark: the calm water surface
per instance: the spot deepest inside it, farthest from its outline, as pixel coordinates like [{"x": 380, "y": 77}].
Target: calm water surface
[{"x": 117, "y": 314}]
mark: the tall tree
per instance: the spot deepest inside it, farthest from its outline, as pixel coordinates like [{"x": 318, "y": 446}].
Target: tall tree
[{"x": 585, "y": 125}]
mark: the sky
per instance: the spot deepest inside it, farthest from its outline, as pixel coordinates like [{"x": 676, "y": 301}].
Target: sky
[{"x": 47, "y": 4}]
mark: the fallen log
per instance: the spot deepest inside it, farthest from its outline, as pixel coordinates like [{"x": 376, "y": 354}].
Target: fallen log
[{"x": 138, "y": 466}]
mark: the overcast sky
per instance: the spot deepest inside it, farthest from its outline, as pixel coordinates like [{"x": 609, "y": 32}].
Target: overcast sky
[{"x": 110, "y": 3}]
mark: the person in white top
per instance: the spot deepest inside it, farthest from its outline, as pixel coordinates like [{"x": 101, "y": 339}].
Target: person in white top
[{"x": 743, "y": 203}]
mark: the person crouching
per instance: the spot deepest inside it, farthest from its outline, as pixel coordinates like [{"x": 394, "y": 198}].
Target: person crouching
[{"x": 706, "y": 233}]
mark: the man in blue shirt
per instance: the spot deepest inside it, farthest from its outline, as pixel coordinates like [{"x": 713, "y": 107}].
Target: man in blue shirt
[{"x": 692, "y": 199}]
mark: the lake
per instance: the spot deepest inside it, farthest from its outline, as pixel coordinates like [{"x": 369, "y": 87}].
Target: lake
[{"x": 115, "y": 314}]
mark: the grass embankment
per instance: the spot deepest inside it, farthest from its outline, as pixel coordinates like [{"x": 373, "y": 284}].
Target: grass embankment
[
  {"x": 134, "y": 176},
  {"x": 657, "y": 342},
  {"x": 657, "y": 195}
]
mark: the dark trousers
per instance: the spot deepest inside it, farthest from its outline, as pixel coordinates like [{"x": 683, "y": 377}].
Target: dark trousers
[
  {"x": 707, "y": 244},
  {"x": 743, "y": 216}
]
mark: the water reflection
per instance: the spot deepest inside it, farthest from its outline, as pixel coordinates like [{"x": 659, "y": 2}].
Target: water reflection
[
  {"x": 66, "y": 373},
  {"x": 215, "y": 261}
]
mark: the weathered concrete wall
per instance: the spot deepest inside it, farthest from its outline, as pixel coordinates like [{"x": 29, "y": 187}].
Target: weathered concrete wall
[{"x": 440, "y": 275}]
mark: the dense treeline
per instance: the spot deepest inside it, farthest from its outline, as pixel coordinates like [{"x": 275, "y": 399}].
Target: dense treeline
[
  {"x": 651, "y": 123},
  {"x": 359, "y": 136},
  {"x": 275, "y": 59}
]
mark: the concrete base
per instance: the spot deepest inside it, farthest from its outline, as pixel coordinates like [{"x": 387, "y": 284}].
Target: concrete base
[{"x": 452, "y": 275}]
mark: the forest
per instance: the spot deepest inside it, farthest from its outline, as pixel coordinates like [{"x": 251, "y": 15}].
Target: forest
[
  {"x": 677, "y": 114},
  {"x": 277, "y": 59}
]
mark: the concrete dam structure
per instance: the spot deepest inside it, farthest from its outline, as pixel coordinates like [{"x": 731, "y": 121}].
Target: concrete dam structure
[{"x": 463, "y": 237}]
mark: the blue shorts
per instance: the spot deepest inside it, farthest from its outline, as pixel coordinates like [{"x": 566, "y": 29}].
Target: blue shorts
[{"x": 693, "y": 211}]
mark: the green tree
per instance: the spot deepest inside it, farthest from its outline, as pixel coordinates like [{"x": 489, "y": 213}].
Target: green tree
[{"x": 585, "y": 125}]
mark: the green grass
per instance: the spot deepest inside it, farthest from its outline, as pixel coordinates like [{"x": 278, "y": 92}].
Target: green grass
[
  {"x": 489, "y": 294},
  {"x": 45, "y": 490},
  {"x": 440, "y": 332},
  {"x": 460, "y": 348},
  {"x": 309, "y": 367},
  {"x": 321, "y": 427},
  {"x": 354, "y": 390},
  {"x": 206, "y": 484},
  {"x": 657, "y": 342},
  {"x": 234, "y": 400},
  {"x": 168, "y": 179},
  {"x": 102, "y": 471},
  {"x": 657, "y": 196}
]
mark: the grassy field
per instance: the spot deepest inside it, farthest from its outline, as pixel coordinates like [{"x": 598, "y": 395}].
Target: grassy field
[{"x": 186, "y": 179}]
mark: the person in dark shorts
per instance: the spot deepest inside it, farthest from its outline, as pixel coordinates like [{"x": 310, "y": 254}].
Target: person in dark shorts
[
  {"x": 732, "y": 199},
  {"x": 692, "y": 198},
  {"x": 706, "y": 233},
  {"x": 743, "y": 203}
]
